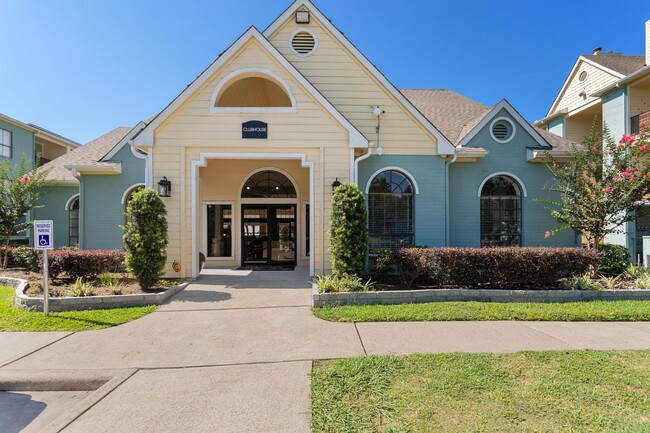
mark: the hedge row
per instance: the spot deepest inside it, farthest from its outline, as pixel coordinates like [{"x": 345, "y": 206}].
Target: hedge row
[
  {"x": 86, "y": 264},
  {"x": 504, "y": 268}
]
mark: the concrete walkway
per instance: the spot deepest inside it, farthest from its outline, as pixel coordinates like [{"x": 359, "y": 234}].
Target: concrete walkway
[{"x": 232, "y": 353}]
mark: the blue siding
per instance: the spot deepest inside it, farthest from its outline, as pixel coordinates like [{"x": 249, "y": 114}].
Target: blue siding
[
  {"x": 556, "y": 126},
  {"x": 465, "y": 179},
  {"x": 614, "y": 112},
  {"x": 22, "y": 143},
  {"x": 429, "y": 174},
  {"x": 101, "y": 209},
  {"x": 54, "y": 203}
]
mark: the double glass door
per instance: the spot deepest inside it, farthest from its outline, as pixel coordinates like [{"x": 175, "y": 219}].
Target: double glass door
[{"x": 269, "y": 234}]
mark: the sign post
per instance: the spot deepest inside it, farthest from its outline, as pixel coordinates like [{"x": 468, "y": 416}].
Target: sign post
[{"x": 44, "y": 240}]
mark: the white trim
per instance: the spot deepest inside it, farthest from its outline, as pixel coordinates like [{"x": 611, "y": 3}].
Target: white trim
[
  {"x": 306, "y": 30},
  {"x": 129, "y": 189},
  {"x": 127, "y": 138},
  {"x": 146, "y": 137},
  {"x": 512, "y": 133},
  {"x": 252, "y": 72},
  {"x": 70, "y": 200},
  {"x": 203, "y": 161},
  {"x": 505, "y": 105},
  {"x": 269, "y": 168},
  {"x": 233, "y": 228},
  {"x": 106, "y": 168},
  {"x": 572, "y": 75},
  {"x": 504, "y": 173},
  {"x": 444, "y": 146},
  {"x": 395, "y": 168}
]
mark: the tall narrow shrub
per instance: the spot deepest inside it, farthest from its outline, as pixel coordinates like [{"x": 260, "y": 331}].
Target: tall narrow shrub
[
  {"x": 145, "y": 237},
  {"x": 348, "y": 231}
]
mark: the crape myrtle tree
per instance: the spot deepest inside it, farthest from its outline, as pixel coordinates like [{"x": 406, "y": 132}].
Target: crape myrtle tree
[
  {"x": 145, "y": 237},
  {"x": 348, "y": 231},
  {"x": 20, "y": 191},
  {"x": 603, "y": 187}
]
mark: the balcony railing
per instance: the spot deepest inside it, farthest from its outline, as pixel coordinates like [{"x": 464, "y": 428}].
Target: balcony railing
[{"x": 636, "y": 121}]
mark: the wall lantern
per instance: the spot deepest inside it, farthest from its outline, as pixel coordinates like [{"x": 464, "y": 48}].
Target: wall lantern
[
  {"x": 164, "y": 187},
  {"x": 336, "y": 184},
  {"x": 302, "y": 17}
]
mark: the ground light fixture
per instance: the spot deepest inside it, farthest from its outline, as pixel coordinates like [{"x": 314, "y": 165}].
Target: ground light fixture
[
  {"x": 336, "y": 184},
  {"x": 164, "y": 187},
  {"x": 378, "y": 111}
]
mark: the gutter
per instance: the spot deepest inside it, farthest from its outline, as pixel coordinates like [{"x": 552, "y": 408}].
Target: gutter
[{"x": 356, "y": 164}]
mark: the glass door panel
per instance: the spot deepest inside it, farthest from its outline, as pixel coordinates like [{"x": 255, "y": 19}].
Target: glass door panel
[
  {"x": 269, "y": 234},
  {"x": 283, "y": 236}
]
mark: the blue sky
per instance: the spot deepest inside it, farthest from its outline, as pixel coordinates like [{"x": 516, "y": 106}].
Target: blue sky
[{"x": 81, "y": 68}]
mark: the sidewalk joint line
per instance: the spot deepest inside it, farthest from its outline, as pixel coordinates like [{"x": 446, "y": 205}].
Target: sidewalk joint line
[
  {"x": 572, "y": 347},
  {"x": 231, "y": 364},
  {"x": 360, "y": 340},
  {"x": 232, "y": 308},
  {"x": 36, "y": 350}
]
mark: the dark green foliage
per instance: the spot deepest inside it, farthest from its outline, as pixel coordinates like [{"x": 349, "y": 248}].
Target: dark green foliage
[
  {"x": 145, "y": 237},
  {"x": 381, "y": 262},
  {"x": 504, "y": 268},
  {"x": 24, "y": 257},
  {"x": 615, "y": 260},
  {"x": 348, "y": 231}
]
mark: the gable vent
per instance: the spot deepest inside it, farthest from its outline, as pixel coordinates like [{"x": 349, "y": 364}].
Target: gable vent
[
  {"x": 500, "y": 131},
  {"x": 303, "y": 43}
]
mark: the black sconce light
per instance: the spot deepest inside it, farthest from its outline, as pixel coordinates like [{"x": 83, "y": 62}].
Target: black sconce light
[
  {"x": 336, "y": 184},
  {"x": 164, "y": 187}
]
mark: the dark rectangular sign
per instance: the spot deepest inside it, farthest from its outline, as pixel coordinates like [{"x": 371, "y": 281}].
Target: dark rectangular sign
[{"x": 254, "y": 129}]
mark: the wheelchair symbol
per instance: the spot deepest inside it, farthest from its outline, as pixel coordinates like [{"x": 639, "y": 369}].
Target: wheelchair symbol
[{"x": 44, "y": 240}]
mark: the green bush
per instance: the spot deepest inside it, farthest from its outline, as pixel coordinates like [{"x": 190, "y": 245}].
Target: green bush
[
  {"x": 342, "y": 283},
  {"x": 614, "y": 261},
  {"x": 24, "y": 257},
  {"x": 145, "y": 237},
  {"x": 348, "y": 231},
  {"x": 581, "y": 282},
  {"x": 86, "y": 264},
  {"x": 503, "y": 267}
]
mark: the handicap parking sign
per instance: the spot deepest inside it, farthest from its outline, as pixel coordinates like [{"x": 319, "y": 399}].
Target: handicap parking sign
[{"x": 43, "y": 235}]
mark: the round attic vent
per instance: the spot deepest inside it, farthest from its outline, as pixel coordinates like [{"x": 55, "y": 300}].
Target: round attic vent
[
  {"x": 582, "y": 76},
  {"x": 502, "y": 130},
  {"x": 303, "y": 42}
]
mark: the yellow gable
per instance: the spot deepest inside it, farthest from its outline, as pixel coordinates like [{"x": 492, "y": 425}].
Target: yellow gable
[{"x": 352, "y": 89}]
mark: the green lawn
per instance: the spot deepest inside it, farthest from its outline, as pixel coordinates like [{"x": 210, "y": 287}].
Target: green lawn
[
  {"x": 572, "y": 311},
  {"x": 578, "y": 391},
  {"x": 13, "y": 318}
]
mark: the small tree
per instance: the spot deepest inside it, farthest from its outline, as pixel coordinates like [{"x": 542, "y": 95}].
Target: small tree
[
  {"x": 20, "y": 191},
  {"x": 348, "y": 231},
  {"x": 145, "y": 237},
  {"x": 602, "y": 188}
]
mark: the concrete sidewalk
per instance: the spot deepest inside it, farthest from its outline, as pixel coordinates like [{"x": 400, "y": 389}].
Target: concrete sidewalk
[{"x": 233, "y": 353}]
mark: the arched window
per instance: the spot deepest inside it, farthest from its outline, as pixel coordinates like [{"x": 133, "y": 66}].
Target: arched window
[
  {"x": 390, "y": 211},
  {"x": 127, "y": 198},
  {"x": 268, "y": 184},
  {"x": 73, "y": 218},
  {"x": 253, "y": 92},
  {"x": 500, "y": 212}
]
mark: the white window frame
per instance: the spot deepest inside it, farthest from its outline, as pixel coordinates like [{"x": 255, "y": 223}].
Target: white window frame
[
  {"x": 234, "y": 224},
  {"x": 4, "y": 145}
]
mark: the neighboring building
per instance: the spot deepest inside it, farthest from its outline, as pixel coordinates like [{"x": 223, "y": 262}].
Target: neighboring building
[
  {"x": 614, "y": 89},
  {"x": 254, "y": 146},
  {"x": 35, "y": 144}
]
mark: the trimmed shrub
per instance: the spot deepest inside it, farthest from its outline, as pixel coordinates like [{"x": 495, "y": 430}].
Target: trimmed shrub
[
  {"x": 85, "y": 264},
  {"x": 24, "y": 257},
  {"x": 504, "y": 268},
  {"x": 615, "y": 260},
  {"x": 348, "y": 231},
  {"x": 145, "y": 237}
]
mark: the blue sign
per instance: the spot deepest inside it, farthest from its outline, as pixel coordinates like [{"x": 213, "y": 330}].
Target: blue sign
[
  {"x": 254, "y": 129},
  {"x": 43, "y": 240}
]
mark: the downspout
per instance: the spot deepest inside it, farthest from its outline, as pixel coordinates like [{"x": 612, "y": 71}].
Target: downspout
[
  {"x": 358, "y": 160},
  {"x": 447, "y": 164}
]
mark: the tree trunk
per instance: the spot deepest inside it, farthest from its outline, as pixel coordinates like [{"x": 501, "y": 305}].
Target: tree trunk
[{"x": 5, "y": 253}]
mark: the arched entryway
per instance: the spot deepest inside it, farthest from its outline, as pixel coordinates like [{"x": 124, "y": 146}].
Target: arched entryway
[{"x": 269, "y": 200}]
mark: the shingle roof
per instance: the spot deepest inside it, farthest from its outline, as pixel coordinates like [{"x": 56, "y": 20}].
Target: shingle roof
[
  {"x": 88, "y": 154},
  {"x": 456, "y": 115},
  {"x": 449, "y": 111},
  {"x": 620, "y": 63}
]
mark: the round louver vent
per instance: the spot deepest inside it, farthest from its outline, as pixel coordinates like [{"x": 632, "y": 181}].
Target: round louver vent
[
  {"x": 303, "y": 43},
  {"x": 502, "y": 130}
]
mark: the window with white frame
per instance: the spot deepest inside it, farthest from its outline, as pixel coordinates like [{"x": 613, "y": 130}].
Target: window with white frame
[
  {"x": 74, "y": 223},
  {"x": 219, "y": 230},
  {"x": 500, "y": 212},
  {"x": 5, "y": 143},
  {"x": 390, "y": 211}
]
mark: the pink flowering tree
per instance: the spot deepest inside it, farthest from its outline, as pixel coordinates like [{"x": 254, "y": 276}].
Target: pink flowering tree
[
  {"x": 20, "y": 192},
  {"x": 602, "y": 188}
]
